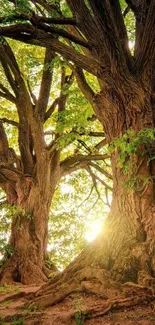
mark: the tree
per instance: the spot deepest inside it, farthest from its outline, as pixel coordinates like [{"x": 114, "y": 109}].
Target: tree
[
  {"x": 31, "y": 169},
  {"x": 95, "y": 38}
]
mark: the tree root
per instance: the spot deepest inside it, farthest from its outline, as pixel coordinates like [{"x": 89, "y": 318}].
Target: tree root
[
  {"x": 91, "y": 281},
  {"x": 65, "y": 284},
  {"x": 94, "y": 281},
  {"x": 116, "y": 304},
  {"x": 26, "y": 273}
]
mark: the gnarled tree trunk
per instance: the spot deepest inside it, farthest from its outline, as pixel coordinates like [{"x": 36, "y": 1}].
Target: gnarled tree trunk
[
  {"x": 28, "y": 241},
  {"x": 124, "y": 250}
]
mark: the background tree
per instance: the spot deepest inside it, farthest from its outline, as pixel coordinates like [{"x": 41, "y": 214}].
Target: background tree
[
  {"x": 31, "y": 168},
  {"x": 96, "y": 38}
]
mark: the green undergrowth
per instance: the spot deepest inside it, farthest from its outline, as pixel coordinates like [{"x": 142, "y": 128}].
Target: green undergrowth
[
  {"x": 5, "y": 289},
  {"x": 14, "y": 321},
  {"x": 6, "y": 303},
  {"x": 79, "y": 305}
]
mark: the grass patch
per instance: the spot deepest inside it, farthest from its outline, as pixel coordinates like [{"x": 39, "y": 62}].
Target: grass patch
[
  {"x": 14, "y": 321},
  {"x": 5, "y": 288},
  {"x": 6, "y": 303}
]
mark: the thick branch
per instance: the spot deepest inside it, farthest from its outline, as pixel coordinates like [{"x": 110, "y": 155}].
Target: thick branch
[
  {"x": 4, "y": 146},
  {"x": 133, "y": 5},
  {"x": 85, "y": 20},
  {"x": 45, "y": 84},
  {"x": 31, "y": 35},
  {"x": 101, "y": 144},
  {"x": 83, "y": 85},
  {"x": 109, "y": 18},
  {"x": 51, "y": 109},
  {"x": 38, "y": 19},
  {"x": 5, "y": 64},
  {"x": 9, "y": 174},
  {"x": 73, "y": 162},
  {"x": 63, "y": 33},
  {"x": 146, "y": 42}
]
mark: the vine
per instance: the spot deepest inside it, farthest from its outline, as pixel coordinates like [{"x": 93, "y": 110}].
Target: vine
[{"x": 131, "y": 146}]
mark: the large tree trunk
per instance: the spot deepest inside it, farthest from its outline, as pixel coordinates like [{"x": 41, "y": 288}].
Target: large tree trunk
[
  {"x": 124, "y": 250},
  {"x": 31, "y": 201},
  {"x": 122, "y": 254}
]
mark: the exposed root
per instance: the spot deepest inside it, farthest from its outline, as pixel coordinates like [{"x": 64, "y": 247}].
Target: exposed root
[
  {"x": 25, "y": 273},
  {"x": 51, "y": 299},
  {"x": 91, "y": 281},
  {"x": 117, "y": 304},
  {"x": 101, "y": 281},
  {"x": 88, "y": 280}
]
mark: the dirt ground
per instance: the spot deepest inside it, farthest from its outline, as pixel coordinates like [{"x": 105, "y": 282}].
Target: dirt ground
[{"x": 73, "y": 310}]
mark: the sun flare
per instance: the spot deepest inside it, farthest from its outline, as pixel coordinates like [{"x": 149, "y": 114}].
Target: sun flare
[{"x": 94, "y": 229}]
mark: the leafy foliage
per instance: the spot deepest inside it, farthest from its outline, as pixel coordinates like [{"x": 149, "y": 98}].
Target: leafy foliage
[
  {"x": 131, "y": 145},
  {"x": 73, "y": 211},
  {"x": 67, "y": 126}
]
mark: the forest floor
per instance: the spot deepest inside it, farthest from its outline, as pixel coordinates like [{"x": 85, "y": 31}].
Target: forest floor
[{"x": 71, "y": 311}]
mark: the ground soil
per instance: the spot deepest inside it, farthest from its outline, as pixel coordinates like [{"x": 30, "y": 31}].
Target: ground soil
[{"x": 70, "y": 311}]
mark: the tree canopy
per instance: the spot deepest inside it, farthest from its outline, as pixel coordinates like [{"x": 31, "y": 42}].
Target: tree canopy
[{"x": 68, "y": 129}]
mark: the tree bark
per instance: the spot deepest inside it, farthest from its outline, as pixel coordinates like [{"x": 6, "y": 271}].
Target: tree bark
[
  {"x": 122, "y": 254},
  {"x": 124, "y": 250},
  {"x": 31, "y": 201}
]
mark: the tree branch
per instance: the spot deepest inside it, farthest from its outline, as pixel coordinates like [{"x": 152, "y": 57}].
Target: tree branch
[
  {"x": 9, "y": 174},
  {"x": 6, "y": 120},
  {"x": 84, "y": 145},
  {"x": 86, "y": 22},
  {"x": 99, "y": 179},
  {"x": 63, "y": 33},
  {"x": 93, "y": 177},
  {"x": 146, "y": 43},
  {"x": 38, "y": 19},
  {"x": 45, "y": 84},
  {"x": 31, "y": 93},
  {"x": 5, "y": 64},
  {"x": 109, "y": 18},
  {"x": 83, "y": 85},
  {"x": 73, "y": 163},
  {"x": 51, "y": 109},
  {"x": 92, "y": 134},
  {"x": 23, "y": 104},
  {"x": 101, "y": 144},
  {"x": 126, "y": 11},
  {"x": 47, "y": 6},
  {"x": 31, "y": 35},
  {"x": 101, "y": 170},
  {"x": 4, "y": 145},
  {"x": 6, "y": 94},
  {"x": 134, "y": 5}
]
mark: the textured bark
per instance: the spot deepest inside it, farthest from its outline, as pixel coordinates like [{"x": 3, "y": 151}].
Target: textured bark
[
  {"x": 124, "y": 250},
  {"x": 120, "y": 262},
  {"x": 28, "y": 240},
  {"x": 29, "y": 180}
]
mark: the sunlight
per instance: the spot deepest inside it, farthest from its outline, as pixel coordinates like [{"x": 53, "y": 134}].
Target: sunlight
[{"x": 94, "y": 229}]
